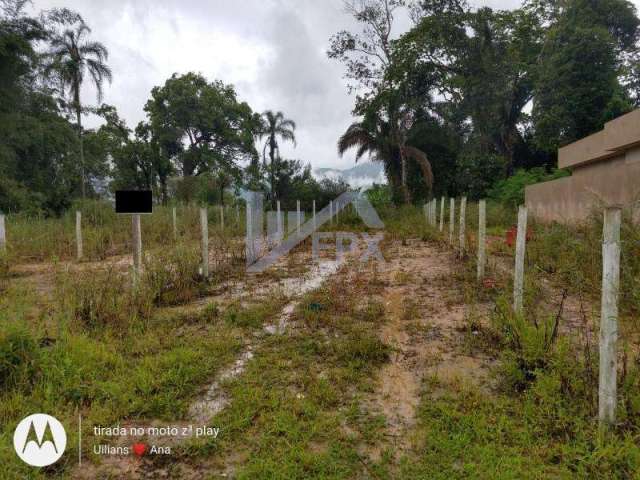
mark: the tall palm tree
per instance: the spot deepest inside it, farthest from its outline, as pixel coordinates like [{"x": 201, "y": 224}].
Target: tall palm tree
[
  {"x": 382, "y": 144},
  {"x": 275, "y": 125},
  {"x": 71, "y": 57}
]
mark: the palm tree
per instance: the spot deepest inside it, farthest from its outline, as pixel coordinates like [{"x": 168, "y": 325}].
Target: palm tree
[
  {"x": 71, "y": 57},
  {"x": 383, "y": 144},
  {"x": 275, "y": 125}
]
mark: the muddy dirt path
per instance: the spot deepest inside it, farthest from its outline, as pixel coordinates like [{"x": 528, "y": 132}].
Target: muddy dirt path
[{"x": 426, "y": 318}]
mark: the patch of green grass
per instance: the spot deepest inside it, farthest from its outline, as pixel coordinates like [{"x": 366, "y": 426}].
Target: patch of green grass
[
  {"x": 465, "y": 433},
  {"x": 292, "y": 413}
]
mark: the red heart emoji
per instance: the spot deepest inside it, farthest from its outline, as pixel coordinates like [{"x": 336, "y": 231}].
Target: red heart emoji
[{"x": 139, "y": 449}]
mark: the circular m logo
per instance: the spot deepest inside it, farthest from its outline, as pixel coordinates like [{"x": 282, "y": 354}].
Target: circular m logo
[{"x": 39, "y": 440}]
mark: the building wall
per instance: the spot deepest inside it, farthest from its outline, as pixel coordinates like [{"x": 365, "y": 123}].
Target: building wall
[{"x": 611, "y": 181}]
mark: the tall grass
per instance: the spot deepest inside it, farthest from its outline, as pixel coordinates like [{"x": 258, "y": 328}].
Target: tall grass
[{"x": 106, "y": 233}]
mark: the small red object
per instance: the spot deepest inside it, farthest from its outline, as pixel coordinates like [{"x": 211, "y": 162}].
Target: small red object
[
  {"x": 139, "y": 449},
  {"x": 489, "y": 283},
  {"x": 510, "y": 239}
]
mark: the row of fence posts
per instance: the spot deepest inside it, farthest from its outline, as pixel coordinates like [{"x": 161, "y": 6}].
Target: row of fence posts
[
  {"x": 607, "y": 381},
  {"x": 137, "y": 237},
  {"x": 204, "y": 230}
]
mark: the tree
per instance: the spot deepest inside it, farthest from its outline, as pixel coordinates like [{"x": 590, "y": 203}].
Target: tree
[
  {"x": 582, "y": 64},
  {"x": 366, "y": 54},
  {"x": 458, "y": 49},
  {"x": 201, "y": 126},
  {"x": 37, "y": 143},
  {"x": 70, "y": 58},
  {"x": 375, "y": 137},
  {"x": 275, "y": 125}
]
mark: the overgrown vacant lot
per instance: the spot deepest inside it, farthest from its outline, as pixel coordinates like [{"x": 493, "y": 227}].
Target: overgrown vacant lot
[{"x": 402, "y": 369}]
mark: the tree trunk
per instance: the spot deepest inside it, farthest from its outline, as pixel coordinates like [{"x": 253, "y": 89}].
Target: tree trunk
[
  {"x": 403, "y": 177},
  {"x": 79, "y": 120},
  {"x": 163, "y": 189},
  {"x": 272, "y": 151}
]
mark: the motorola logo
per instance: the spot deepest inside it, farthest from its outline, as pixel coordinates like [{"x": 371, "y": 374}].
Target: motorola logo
[{"x": 39, "y": 440}]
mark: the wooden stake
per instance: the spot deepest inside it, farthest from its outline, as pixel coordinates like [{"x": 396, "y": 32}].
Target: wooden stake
[
  {"x": 204, "y": 229},
  {"x": 452, "y": 218},
  {"x": 79, "y": 235},
  {"x": 607, "y": 388},
  {"x": 482, "y": 234},
  {"x": 137, "y": 247},
  {"x": 518, "y": 277},
  {"x": 221, "y": 218},
  {"x": 463, "y": 224}
]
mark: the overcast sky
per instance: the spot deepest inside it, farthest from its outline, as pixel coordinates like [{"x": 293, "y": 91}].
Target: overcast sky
[{"x": 273, "y": 51}]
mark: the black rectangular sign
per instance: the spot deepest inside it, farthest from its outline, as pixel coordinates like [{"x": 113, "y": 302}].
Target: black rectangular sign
[{"x": 134, "y": 201}]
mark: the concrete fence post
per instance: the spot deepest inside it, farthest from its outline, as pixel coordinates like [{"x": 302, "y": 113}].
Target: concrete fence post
[
  {"x": 3, "y": 233},
  {"x": 221, "y": 217},
  {"x": 463, "y": 225},
  {"x": 441, "y": 214},
  {"x": 249, "y": 235},
  {"x": 425, "y": 210},
  {"x": 482, "y": 238},
  {"x": 298, "y": 217},
  {"x": 237, "y": 213},
  {"x": 137, "y": 247},
  {"x": 204, "y": 229},
  {"x": 79, "y": 235},
  {"x": 314, "y": 215},
  {"x": 174, "y": 216},
  {"x": 279, "y": 222},
  {"x": 607, "y": 388},
  {"x": 452, "y": 218},
  {"x": 518, "y": 277}
]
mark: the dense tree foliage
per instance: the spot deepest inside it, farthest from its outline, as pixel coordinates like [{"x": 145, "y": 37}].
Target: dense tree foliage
[
  {"x": 485, "y": 91},
  {"x": 198, "y": 142}
]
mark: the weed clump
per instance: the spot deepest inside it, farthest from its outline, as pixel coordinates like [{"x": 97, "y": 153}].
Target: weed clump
[
  {"x": 98, "y": 300},
  {"x": 173, "y": 277},
  {"x": 19, "y": 356},
  {"x": 529, "y": 345}
]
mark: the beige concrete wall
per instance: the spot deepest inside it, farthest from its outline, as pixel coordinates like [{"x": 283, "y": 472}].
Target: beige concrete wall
[
  {"x": 614, "y": 181},
  {"x": 617, "y": 136}
]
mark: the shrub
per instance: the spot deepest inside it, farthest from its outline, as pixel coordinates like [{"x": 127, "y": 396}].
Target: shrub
[
  {"x": 529, "y": 344},
  {"x": 511, "y": 190},
  {"x": 173, "y": 276},
  {"x": 102, "y": 299}
]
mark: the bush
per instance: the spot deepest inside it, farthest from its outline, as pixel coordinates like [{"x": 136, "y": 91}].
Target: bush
[
  {"x": 511, "y": 190},
  {"x": 97, "y": 299},
  {"x": 19, "y": 356},
  {"x": 173, "y": 277},
  {"x": 529, "y": 344}
]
